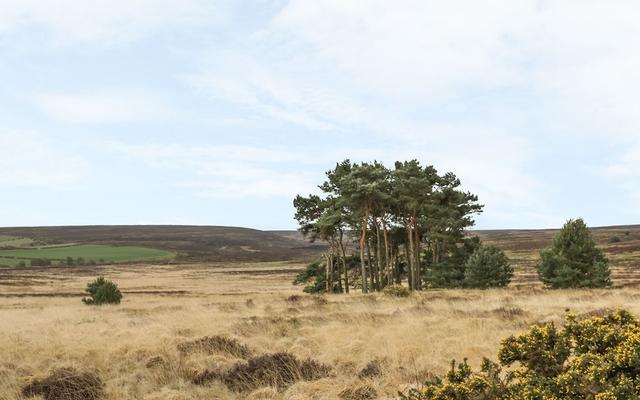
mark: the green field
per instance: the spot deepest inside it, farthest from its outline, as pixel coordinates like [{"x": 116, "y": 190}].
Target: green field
[
  {"x": 14, "y": 241},
  {"x": 87, "y": 252}
]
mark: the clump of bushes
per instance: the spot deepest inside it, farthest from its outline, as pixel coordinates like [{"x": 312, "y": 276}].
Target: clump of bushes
[
  {"x": 487, "y": 267},
  {"x": 615, "y": 239},
  {"x": 574, "y": 261},
  {"x": 596, "y": 358},
  {"x": 66, "y": 384},
  {"x": 102, "y": 291},
  {"x": 278, "y": 370},
  {"x": 396, "y": 291}
]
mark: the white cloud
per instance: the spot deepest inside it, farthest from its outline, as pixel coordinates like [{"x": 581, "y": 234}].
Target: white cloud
[
  {"x": 32, "y": 160},
  {"x": 104, "y": 21},
  {"x": 227, "y": 171},
  {"x": 451, "y": 82},
  {"x": 102, "y": 106}
]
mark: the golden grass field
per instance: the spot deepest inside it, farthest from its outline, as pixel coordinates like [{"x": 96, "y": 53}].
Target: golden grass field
[{"x": 44, "y": 325}]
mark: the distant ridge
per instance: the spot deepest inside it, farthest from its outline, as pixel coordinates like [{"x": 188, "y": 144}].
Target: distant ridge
[{"x": 192, "y": 243}]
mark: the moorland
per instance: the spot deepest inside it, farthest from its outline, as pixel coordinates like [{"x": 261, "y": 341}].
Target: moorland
[{"x": 182, "y": 319}]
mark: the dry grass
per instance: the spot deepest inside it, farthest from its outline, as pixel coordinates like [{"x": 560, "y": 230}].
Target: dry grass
[{"x": 134, "y": 347}]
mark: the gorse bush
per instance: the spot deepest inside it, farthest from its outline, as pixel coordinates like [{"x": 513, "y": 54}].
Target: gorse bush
[
  {"x": 487, "y": 267},
  {"x": 587, "y": 359},
  {"x": 574, "y": 261},
  {"x": 102, "y": 291}
]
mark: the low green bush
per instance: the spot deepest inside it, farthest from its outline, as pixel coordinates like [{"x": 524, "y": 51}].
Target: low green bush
[
  {"x": 615, "y": 239},
  {"x": 102, "y": 291},
  {"x": 594, "y": 358},
  {"x": 397, "y": 291}
]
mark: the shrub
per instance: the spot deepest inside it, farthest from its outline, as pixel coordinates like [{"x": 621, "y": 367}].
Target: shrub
[
  {"x": 102, "y": 291},
  {"x": 396, "y": 291},
  {"x": 21, "y": 264},
  {"x": 487, "y": 267},
  {"x": 596, "y": 358},
  {"x": 40, "y": 262},
  {"x": 314, "y": 276},
  {"x": 615, "y": 239},
  {"x": 574, "y": 261}
]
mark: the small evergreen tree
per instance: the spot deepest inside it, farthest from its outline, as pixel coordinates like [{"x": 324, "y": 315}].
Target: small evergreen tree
[
  {"x": 313, "y": 275},
  {"x": 487, "y": 267},
  {"x": 574, "y": 261},
  {"x": 450, "y": 271},
  {"x": 102, "y": 291}
]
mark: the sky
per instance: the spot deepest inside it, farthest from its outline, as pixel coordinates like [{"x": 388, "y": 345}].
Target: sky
[{"x": 219, "y": 112}]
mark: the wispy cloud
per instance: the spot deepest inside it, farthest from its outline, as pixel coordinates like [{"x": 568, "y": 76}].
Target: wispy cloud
[{"x": 227, "y": 171}]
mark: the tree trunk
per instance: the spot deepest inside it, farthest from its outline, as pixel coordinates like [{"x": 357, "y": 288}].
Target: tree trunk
[
  {"x": 344, "y": 263},
  {"x": 387, "y": 260},
  {"x": 326, "y": 273},
  {"x": 410, "y": 258},
  {"x": 378, "y": 255},
  {"x": 372, "y": 274},
  {"x": 363, "y": 243},
  {"x": 417, "y": 278}
]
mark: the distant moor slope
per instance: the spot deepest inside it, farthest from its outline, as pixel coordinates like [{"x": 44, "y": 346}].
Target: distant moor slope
[{"x": 191, "y": 243}]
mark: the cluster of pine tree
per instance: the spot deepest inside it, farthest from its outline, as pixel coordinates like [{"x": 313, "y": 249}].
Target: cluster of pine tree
[{"x": 385, "y": 225}]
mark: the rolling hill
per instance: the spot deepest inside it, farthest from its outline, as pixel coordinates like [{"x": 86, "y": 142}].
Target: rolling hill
[{"x": 191, "y": 243}]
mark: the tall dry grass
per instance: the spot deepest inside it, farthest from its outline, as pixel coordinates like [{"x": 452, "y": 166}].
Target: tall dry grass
[{"x": 133, "y": 347}]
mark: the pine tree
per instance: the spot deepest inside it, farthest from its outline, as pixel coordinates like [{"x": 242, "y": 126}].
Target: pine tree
[
  {"x": 487, "y": 267},
  {"x": 574, "y": 261}
]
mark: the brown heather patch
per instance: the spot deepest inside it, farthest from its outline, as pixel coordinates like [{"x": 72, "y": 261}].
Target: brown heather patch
[
  {"x": 278, "y": 370},
  {"x": 66, "y": 384}
]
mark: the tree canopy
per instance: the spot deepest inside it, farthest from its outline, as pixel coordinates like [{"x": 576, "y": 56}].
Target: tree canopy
[{"x": 408, "y": 221}]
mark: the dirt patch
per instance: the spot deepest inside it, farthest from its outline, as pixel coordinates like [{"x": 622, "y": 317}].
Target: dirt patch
[
  {"x": 66, "y": 384},
  {"x": 216, "y": 344},
  {"x": 278, "y": 370}
]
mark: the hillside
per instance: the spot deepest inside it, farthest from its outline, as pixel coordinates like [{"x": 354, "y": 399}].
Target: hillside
[
  {"x": 219, "y": 244},
  {"x": 191, "y": 243}
]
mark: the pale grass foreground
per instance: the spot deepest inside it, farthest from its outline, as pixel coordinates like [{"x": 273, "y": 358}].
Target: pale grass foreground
[{"x": 133, "y": 346}]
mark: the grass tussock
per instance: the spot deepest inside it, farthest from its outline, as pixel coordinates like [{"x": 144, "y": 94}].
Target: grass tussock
[
  {"x": 373, "y": 369},
  {"x": 215, "y": 344},
  {"x": 362, "y": 392},
  {"x": 66, "y": 384}
]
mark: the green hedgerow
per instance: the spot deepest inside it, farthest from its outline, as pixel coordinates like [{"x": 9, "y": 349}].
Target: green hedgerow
[{"x": 102, "y": 291}]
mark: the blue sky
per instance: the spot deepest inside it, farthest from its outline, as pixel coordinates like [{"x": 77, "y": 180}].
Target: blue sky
[{"x": 219, "y": 112}]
